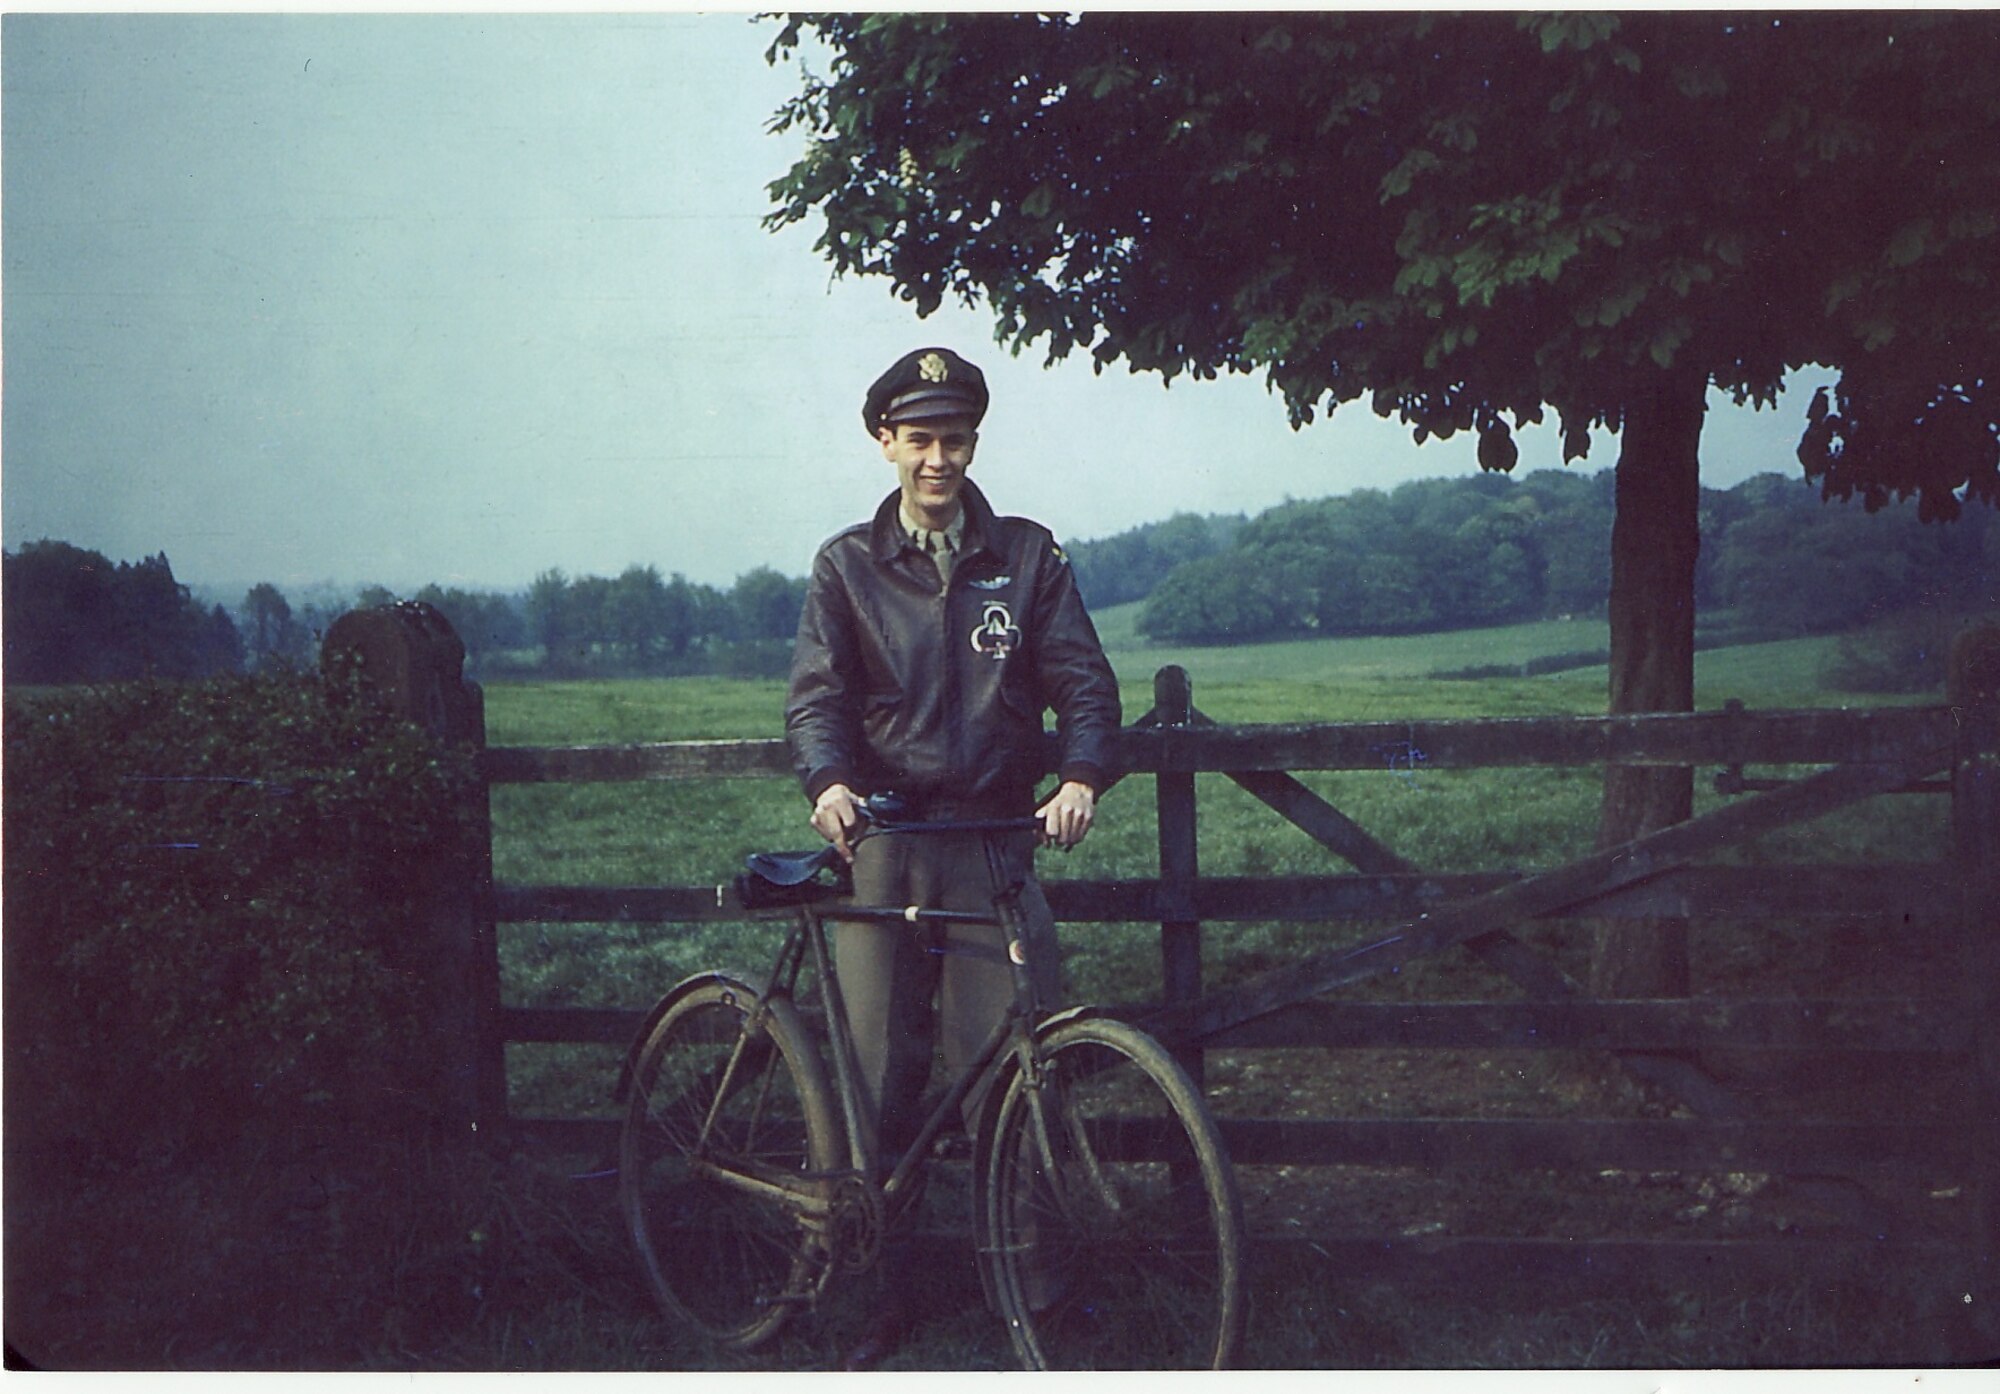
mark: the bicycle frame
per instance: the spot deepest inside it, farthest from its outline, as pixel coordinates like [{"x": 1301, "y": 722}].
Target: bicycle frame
[
  {"x": 1012, "y": 1037},
  {"x": 749, "y": 1190}
]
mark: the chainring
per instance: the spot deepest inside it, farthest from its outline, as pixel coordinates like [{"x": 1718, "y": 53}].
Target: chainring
[{"x": 856, "y": 1224}]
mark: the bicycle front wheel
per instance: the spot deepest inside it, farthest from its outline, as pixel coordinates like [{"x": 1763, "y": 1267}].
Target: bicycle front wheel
[
  {"x": 1112, "y": 1227},
  {"x": 728, "y": 1122}
]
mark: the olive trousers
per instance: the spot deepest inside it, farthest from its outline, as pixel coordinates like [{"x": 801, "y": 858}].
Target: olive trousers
[{"x": 890, "y": 975}]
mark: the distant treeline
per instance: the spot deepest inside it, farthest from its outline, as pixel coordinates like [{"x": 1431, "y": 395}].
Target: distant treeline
[
  {"x": 1434, "y": 554},
  {"x": 636, "y": 624},
  {"x": 1128, "y": 566},
  {"x": 73, "y": 616},
  {"x": 643, "y": 623},
  {"x": 1493, "y": 549}
]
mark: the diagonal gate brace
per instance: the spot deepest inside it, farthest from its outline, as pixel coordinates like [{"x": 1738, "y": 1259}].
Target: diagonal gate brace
[
  {"x": 1499, "y": 949},
  {"x": 1287, "y": 796},
  {"x": 1567, "y": 887}
]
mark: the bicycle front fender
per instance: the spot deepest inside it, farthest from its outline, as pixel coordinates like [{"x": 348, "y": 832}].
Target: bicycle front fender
[
  {"x": 989, "y": 1114},
  {"x": 1068, "y": 1014},
  {"x": 989, "y": 1107}
]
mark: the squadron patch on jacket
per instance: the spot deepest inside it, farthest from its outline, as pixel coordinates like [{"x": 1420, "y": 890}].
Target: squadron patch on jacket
[{"x": 996, "y": 635}]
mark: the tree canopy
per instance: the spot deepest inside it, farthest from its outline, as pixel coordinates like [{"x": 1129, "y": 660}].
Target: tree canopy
[{"x": 1473, "y": 217}]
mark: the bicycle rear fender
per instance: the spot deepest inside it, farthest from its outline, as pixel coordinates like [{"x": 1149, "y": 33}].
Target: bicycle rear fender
[{"x": 744, "y": 984}]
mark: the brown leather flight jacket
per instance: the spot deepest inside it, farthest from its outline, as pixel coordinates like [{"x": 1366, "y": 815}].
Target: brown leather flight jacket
[{"x": 937, "y": 692}]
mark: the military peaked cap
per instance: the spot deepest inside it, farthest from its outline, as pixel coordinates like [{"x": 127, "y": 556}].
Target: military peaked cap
[{"x": 922, "y": 385}]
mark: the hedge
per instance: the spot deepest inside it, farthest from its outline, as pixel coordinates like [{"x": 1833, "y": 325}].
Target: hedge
[{"x": 213, "y": 903}]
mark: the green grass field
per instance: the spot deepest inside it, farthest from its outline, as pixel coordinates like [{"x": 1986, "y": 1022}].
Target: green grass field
[{"x": 1347, "y": 679}]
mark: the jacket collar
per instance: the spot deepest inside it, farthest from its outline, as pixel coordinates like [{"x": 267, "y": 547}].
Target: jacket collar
[{"x": 887, "y": 537}]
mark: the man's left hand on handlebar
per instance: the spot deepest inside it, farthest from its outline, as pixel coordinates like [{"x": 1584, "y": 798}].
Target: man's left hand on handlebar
[{"x": 1068, "y": 814}]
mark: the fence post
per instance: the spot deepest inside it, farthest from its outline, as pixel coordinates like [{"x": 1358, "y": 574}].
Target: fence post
[
  {"x": 1972, "y": 690},
  {"x": 409, "y": 656},
  {"x": 1180, "y": 931}
]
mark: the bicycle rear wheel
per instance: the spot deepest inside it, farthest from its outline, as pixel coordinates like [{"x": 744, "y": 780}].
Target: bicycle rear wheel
[
  {"x": 1113, "y": 1237},
  {"x": 722, "y": 1253}
]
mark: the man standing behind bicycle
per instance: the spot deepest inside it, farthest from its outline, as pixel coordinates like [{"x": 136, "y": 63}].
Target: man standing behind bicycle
[{"x": 933, "y": 639}]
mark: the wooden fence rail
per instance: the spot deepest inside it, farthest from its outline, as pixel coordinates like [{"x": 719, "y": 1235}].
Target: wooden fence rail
[
  {"x": 1732, "y": 736},
  {"x": 1809, "y": 762}
]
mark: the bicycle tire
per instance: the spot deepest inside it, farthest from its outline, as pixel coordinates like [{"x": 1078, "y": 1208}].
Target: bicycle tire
[
  {"x": 1128, "y": 1253},
  {"x": 729, "y": 1263}
]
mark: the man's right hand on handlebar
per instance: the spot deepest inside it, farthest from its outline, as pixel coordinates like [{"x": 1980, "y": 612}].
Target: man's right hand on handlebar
[{"x": 836, "y": 816}]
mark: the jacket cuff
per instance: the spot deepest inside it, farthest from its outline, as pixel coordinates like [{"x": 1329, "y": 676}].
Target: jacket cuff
[
  {"x": 1084, "y": 772},
  {"x": 824, "y": 778}
]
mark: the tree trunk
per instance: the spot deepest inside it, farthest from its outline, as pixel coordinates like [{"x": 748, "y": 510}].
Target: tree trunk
[{"x": 1654, "y": 542}]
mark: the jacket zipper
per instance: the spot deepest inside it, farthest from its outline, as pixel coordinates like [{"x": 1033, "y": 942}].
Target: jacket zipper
[{"x": 954, "y": 726}]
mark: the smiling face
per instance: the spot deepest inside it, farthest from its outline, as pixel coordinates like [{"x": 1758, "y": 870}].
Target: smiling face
[{"x": 931, "y": 458}]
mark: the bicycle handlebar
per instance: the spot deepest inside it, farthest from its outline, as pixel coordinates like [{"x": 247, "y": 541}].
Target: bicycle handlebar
[{"x": 887, "y": 813}]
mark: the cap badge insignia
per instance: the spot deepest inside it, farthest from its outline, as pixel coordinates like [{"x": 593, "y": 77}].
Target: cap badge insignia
[{"x": 932, "y": 368}]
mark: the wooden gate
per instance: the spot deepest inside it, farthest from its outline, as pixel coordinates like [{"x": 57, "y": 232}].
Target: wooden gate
[{"x": 1834, "y": 1161}]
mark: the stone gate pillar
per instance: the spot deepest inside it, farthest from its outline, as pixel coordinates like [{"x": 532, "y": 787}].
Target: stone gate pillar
[{"x": 408, "y": 656}]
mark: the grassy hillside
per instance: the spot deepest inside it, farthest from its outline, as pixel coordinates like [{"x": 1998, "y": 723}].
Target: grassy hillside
[
  {"x": 1390, "y": 656},
  {"x": 1378, "y": 677},
  {"x": 1780, "y": 673}
]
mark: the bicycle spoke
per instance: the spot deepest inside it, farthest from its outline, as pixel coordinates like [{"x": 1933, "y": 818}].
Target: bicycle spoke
[
  {"x": 1114, "y": 1225},
  {"x": 726, "y": 1123}
]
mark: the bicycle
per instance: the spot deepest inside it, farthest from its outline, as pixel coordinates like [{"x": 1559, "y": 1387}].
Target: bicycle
[{"x": 1106, "y": 1216}]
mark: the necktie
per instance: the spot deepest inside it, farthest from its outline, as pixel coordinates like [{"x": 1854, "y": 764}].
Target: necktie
[{"x": 938, "y": 545}]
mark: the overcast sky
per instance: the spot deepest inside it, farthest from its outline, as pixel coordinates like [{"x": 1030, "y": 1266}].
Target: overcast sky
[{"x": 462, "y": 298}]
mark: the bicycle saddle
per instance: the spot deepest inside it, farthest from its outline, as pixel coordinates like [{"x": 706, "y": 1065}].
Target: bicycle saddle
[
  {"x": 792, "y": 878},
  {"x": 790, "y": 868}
]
